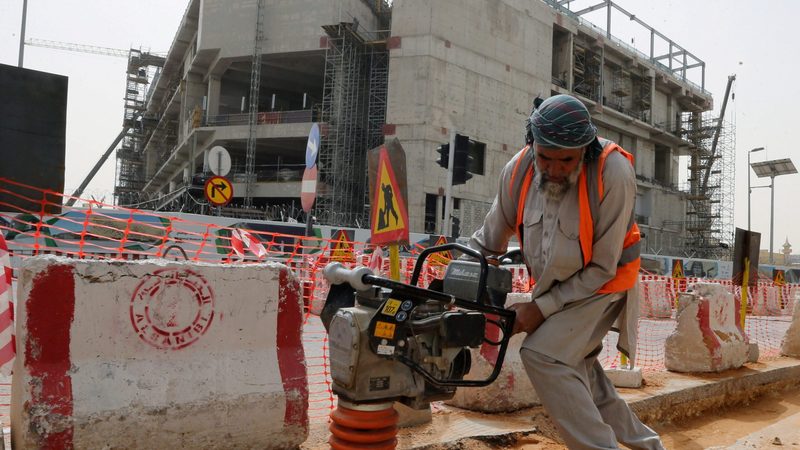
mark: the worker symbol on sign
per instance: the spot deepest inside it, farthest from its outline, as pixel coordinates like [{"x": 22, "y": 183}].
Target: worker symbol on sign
[
  {"x": 677, "y": 268},
  {"x": 778, "y": 277},
  {"x": 218, "y": 191},
  {"x": 342, "y": 248},
  {"x": 388, "y": 208}
]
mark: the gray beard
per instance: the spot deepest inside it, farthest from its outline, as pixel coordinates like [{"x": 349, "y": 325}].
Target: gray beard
[{"x": 555, "y": 191}]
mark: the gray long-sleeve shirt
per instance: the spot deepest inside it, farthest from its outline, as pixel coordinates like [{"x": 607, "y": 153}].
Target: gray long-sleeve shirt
[{"x": 553, "y": 254}]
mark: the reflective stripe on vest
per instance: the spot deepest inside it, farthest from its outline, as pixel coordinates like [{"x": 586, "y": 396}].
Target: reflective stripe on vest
[{"x": 589, "y": 203}]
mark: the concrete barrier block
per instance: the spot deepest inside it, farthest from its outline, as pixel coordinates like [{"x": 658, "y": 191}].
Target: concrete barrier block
[
  {"x": 753, "y": 352},
  {"x": 767, "y": 301},
  {"x": 791, "y": 341},
  {"x": 512, "y": 390},
  {"x": 708, "y": 337},
  {"x": 158, "y": 354},
  {"x": 626, "y": 378}
]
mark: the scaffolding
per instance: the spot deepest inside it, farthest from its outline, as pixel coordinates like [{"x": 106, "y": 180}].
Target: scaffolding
[
  {"x": 378, "y": 58},
  {"x": 586, "y": 72},
  {"x": 620, "y": 89},
  {"x": 641, "y": 104},
  {"x": 710, "y": 200},
  {"x": 130, "y": 170},
  {"x": 353, "y": 111}
]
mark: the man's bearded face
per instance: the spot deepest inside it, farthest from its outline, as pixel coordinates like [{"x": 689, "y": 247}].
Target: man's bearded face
[{"x": 559, "y": 169}]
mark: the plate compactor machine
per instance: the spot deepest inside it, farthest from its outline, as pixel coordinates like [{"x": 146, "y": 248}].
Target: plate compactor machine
[{"x": 397, "y": 342}]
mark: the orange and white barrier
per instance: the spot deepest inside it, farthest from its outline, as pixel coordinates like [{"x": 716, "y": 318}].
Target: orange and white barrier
[
  {"x": 708, "y": 336},
  {"x": 7, "y": 345},
  {"x": 158, "y": 354},
  {"x": 790, "y": 346}
]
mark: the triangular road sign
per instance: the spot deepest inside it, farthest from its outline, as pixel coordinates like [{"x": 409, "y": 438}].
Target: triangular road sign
[
  {"x": 389, "y": 215},
  {"x": 442, "y": 258},
  {"x": 342, "y": 248},
  {"x": 778, "y": 277},
  {"x": 677, "y": 268}
]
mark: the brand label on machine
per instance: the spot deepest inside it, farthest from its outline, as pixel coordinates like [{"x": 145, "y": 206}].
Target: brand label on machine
[
  {"x": 379, "y": 383},
  {"x": 387, "y": 350}
]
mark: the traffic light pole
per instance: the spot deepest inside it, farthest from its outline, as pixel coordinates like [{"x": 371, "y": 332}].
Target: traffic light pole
[{"x": 448, "y": 199}]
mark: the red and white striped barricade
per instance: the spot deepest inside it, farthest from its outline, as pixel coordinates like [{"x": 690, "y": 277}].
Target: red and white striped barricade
[
  {"x": 708, "y": 336},
  {"x": 7, "y": 344}
]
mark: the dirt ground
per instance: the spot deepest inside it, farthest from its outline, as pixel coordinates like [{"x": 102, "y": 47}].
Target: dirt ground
[
  {"x": 772, "y": 421},
  {"x": 725, "y": 428}
]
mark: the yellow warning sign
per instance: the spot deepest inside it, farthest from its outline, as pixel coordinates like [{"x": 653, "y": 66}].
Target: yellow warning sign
[
  {"x": 677, "y": 268},
  {"x": 218, "y": 190},
  {"x": 342, "y": 248},
  {"x": 389, "y": 215},
  {"x": 384, "y": 330},
  {"x": 778, "y": 277},
  {"x": 442, "y": 258}
]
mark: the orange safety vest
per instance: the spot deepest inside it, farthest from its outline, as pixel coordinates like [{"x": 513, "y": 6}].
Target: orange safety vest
[{"x": 589, "y": 203}]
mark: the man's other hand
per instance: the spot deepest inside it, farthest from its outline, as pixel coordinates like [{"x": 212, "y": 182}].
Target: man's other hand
[{"x": 529, "y": 317}]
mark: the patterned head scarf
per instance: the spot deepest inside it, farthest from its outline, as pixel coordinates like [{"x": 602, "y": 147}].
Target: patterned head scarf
[{"x": 562, "y": 121}]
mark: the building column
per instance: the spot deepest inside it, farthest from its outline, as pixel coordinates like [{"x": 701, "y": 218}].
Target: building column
[
  {"x": 192, "y": 92},
  {"x": 212, "y": 96},
  {"x": 570, "y": 61},
  {"x": 652, "y": 74}
]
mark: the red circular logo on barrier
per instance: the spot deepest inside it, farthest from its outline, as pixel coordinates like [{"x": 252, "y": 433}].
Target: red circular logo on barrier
[{"x": 172, "y": 308}]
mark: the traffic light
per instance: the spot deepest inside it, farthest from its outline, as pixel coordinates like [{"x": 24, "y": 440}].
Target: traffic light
[
  {"x": 462, "y": 160},
  {"x": 444, "y": 152},
  {"x": 456, "y": 231}
]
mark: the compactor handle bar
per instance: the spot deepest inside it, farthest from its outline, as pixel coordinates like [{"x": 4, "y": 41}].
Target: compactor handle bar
[
  {"x": 361, "y": 279},
  {"x": 453, "y": 246}
]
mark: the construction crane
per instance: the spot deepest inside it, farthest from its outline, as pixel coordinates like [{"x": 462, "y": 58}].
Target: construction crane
[
  {"x": 81, "y": 48},
  {"x": 718, "y": 129},
  {"x": 255, "y": 86},
  {"x": 97, "y": 167},
  {"x": 97, "y": 50}
]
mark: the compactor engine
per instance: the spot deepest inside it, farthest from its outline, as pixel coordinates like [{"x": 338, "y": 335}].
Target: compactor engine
[{"x": 391, "y": 341}]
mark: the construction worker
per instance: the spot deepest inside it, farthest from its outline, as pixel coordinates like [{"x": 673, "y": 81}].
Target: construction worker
[{"x": 569, "y": 197}]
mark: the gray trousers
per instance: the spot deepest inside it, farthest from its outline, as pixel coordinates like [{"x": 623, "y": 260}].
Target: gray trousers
[{"x": 582, "y": 401}]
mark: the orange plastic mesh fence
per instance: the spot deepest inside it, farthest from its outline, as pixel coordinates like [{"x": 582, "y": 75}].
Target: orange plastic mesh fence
[{"x": 103, "y": 231}]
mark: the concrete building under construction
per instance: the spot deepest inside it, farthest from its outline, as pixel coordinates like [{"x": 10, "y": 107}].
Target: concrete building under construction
[{"x": 253, "y": 75}]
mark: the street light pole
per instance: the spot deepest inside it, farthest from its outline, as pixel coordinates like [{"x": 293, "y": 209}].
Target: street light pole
[
  {"x": 771, "y": 216},
  {"x": 749, "y": 190},
  {"x": 22, "y": 32}
]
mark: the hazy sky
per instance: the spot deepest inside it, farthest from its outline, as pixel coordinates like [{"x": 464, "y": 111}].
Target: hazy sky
[{"x": 754, "y": 40}]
